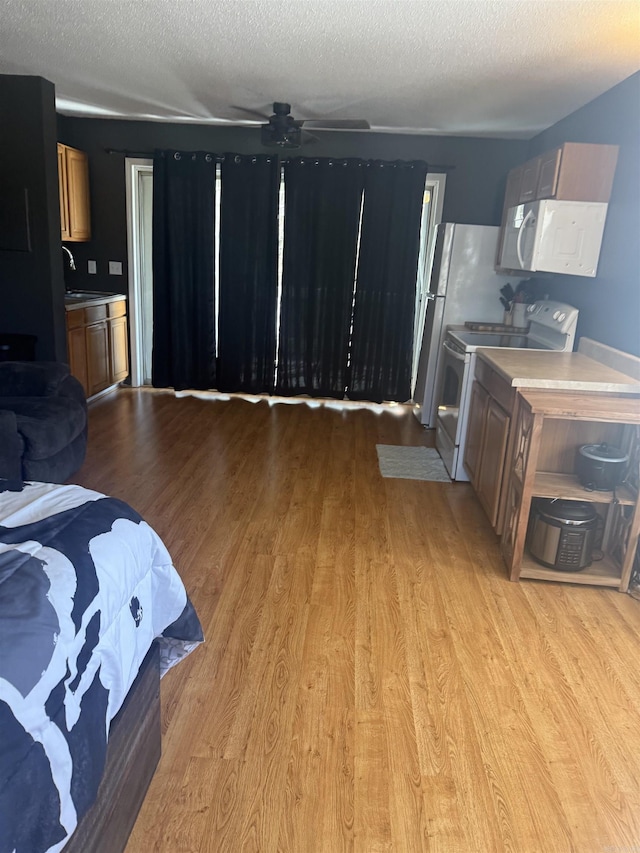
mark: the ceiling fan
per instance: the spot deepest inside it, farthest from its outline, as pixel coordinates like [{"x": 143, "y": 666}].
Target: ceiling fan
[{"x": 283, "y": 131}]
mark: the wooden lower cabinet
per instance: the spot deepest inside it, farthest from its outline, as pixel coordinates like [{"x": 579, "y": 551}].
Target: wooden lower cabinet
[
  {"x": 493, "y": 453},
  {"x": 98, "y": 368},
  {"x": 77, "y": 348},
  {"x": 475, "y": 432},
  {"x": 118, "y": 350},
  {"x": 97, "y": 344},
  {"x": 487, "y": 439}
]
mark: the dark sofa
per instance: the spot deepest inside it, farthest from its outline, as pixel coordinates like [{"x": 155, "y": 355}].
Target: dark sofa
[{"x": 43, "y": 422}]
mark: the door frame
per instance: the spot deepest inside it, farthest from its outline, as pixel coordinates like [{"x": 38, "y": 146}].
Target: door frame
[
  {"x": 435, "y": 183},
  {"x": 133, "y": 166}
]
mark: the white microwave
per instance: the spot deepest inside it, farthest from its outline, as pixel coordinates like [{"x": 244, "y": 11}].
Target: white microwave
[{"x": 554, "y": 236}]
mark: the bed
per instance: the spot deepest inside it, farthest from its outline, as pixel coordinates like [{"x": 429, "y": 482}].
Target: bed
[{"x": 92, "y": 613}]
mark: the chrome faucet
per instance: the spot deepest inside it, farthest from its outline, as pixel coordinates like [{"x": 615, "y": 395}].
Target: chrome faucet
[{"x": 72, "y": 263}]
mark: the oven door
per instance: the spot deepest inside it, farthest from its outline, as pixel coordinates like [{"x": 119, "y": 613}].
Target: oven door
[{"x": 451, "y": 391}]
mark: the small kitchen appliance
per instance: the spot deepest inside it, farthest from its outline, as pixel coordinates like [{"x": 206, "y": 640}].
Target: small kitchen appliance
[
  {"x": 601, "y": 467},
  {"x": 554, "y": 236},
  {"x": 562, "y": 534}
]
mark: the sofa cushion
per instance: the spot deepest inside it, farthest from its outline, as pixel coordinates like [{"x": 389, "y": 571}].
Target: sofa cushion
[
  {"x": 46, "y": 424},
  {"x": 58, "y": 468},
  {"x": 31, "y": 378}
]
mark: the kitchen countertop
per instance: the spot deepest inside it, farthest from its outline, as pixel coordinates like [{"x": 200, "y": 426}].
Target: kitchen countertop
[
  {"x": 560, "y": 371},
  {"x": 82, "y": 298}
]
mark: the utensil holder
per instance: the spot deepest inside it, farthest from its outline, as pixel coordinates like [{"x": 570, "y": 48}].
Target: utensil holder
[{"x": 518, "y": 314}]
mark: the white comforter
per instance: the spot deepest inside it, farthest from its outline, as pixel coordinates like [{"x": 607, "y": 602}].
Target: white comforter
[{"x": 85, "y": 587}]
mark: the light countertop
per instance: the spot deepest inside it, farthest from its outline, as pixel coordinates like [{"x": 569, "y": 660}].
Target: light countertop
[
  {"x": 560, "y": 371},
  {"x": 82, "y": 298}
]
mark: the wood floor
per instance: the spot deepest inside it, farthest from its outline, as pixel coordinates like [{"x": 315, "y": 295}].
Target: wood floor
[{"x": 370, "y": 681}]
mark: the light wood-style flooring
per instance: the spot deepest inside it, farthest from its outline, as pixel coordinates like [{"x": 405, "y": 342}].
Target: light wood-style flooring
[{"x": 371, "y": 680}]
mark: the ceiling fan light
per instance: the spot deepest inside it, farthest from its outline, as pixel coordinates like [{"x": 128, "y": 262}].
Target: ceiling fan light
[{"x": 272, "y": 137}]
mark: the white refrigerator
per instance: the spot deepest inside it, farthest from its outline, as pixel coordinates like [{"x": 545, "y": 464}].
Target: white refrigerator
[{"x": 463, "y": 286}]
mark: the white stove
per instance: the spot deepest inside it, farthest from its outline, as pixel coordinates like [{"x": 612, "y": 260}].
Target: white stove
[{"x": 552, "y": 326}]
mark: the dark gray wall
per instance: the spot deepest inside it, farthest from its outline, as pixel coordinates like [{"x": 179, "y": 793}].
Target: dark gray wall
[
  {"x": 610, "y": 303},
  {"x": 475, "y": 184},
  {"x": 31, "y": 282}
]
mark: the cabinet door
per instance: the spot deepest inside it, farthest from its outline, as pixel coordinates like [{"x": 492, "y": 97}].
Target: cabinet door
[
  {"x": 119, "y": 361},
  {"x": 511, "y": 199},
  {"x": 77, "y": 347},
  {"x": 494, "y": 447},
  {"x": 586, "y": 172},
  {"x": 62, "y": 193},
  {"x": 97, "y": 341},
  {"x": 475, "y": 429},
  {"x": 77, "y": 166},
  {"x": 529, "y": 184},
  {"x": 549, "y": 171},
  {"x": 512, "y": 190}
]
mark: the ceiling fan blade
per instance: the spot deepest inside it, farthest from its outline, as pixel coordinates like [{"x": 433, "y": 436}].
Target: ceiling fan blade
[
  {"x": 254, "y": 114},
  {"x": 337, "y": 123},
  {"x": 308, "y": 138}
]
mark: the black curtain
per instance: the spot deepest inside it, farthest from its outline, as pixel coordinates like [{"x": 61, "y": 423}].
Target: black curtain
[
  {"x": 322, "y": 210},
  {"x": 248, "y": 273},
  {"x": 382, "y": 340},
  {"x": 183, "y": 270}
]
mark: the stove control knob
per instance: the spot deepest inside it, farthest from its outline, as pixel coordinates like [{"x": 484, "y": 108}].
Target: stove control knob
[
  {"x": 561, "y": 318},
  {"x": 556, "y": 315}
]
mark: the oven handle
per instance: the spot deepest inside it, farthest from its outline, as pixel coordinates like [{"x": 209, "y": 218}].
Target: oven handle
[{"x": 457, "y": 355}]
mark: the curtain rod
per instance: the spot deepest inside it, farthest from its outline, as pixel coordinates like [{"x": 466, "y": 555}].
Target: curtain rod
[{"x": 146, "y": 155}]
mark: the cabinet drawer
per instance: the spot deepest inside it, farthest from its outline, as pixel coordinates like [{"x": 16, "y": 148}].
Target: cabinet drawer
[
  {"x": 501, "y": 391},
  {"x": 75, "y": 318},
  {"x": 117, "y": 309},
  {"x": 94, "y": 313}
]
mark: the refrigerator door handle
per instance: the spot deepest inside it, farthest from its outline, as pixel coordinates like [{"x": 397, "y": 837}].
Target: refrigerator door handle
[{"x": 452, "y": 352}]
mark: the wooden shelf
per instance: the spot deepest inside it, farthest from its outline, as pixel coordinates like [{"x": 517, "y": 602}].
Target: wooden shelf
[
  {"x": 568, "y": 487},
  {"x": 602, "y": 573},
  {"x": 541, "y": 442},
  {"x": 585, "y": 405}
]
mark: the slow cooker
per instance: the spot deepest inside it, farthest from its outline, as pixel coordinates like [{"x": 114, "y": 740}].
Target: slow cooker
[
  {"x": 562, "y": 534},
  {"x": 601, "y": 467}
]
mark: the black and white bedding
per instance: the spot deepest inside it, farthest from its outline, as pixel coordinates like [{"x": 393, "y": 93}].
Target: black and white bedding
[{"x": 85, "y": 587}]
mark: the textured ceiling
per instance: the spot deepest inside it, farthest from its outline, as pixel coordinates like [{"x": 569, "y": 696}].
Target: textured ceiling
[{"x": 509, "y": 68}]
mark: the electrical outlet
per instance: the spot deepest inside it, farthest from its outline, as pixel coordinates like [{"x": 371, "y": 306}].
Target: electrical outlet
[
  {"x": 91, "y": 267},
  {"x": 115, "y": 267}
]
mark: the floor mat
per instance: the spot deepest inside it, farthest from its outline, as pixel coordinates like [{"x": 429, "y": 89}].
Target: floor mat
[{"x": 411, "y": 463}]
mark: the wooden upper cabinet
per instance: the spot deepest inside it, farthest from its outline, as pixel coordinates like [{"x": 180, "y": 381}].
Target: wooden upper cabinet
[
  {"x": 529, "y": 181},
  {"x": 512, "y": 190},
  {"x": 548, "y": 173},
  {"x": 585, "y": 172},
  {"x": 73, "y": 186},
  {"x": 576, "y": 171},
  {"x": 62, "y": 193}
]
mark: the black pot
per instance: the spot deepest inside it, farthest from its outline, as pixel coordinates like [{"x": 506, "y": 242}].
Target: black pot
[{"x": 601, "y": 467}]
